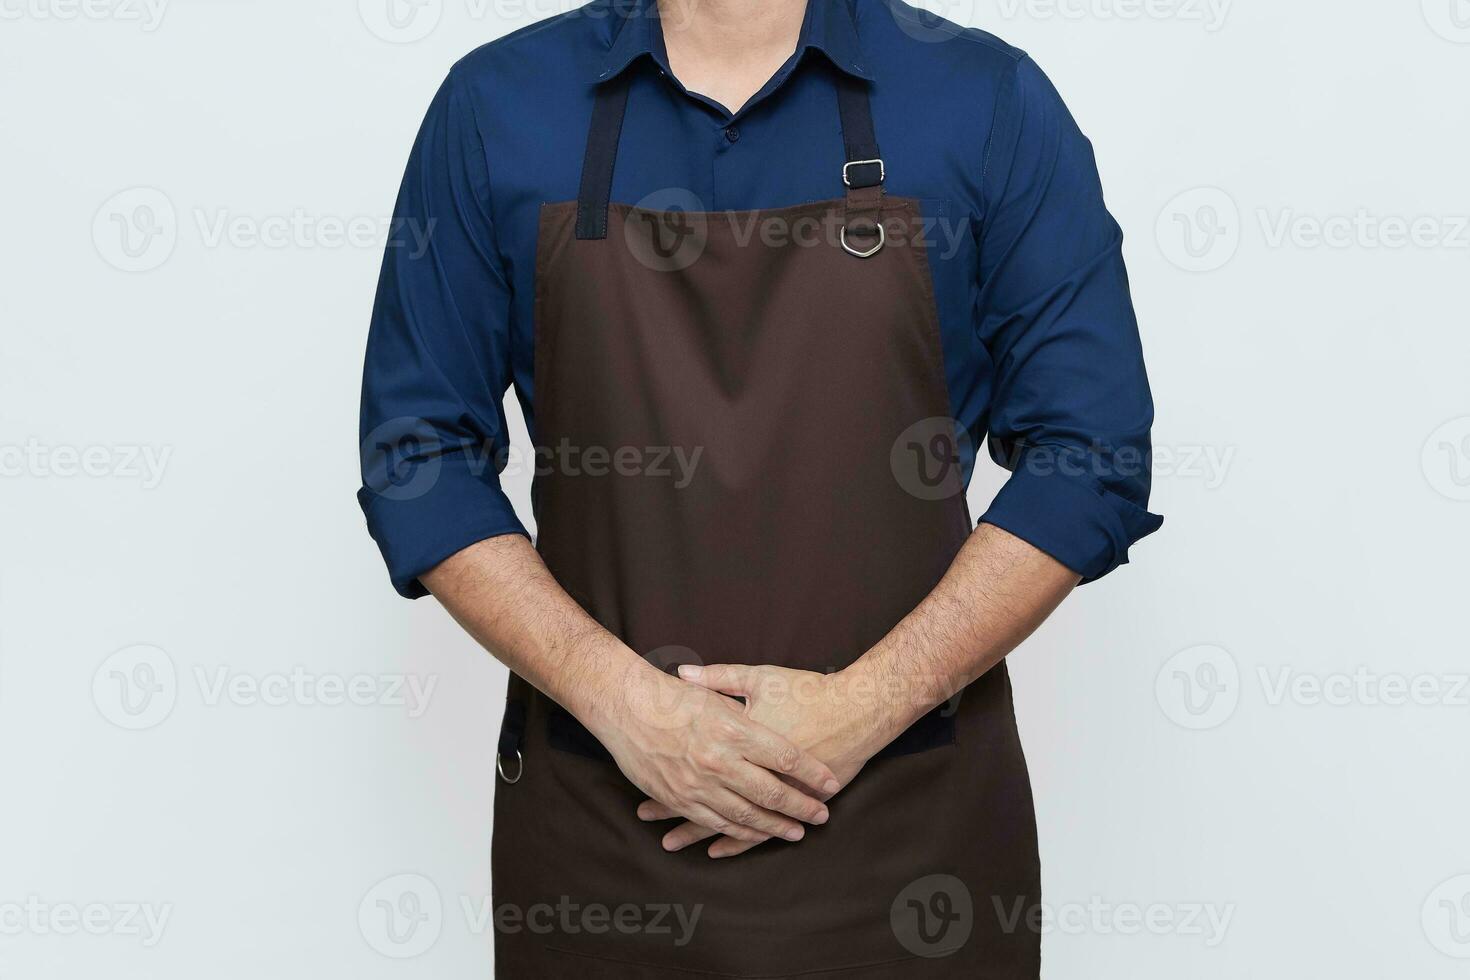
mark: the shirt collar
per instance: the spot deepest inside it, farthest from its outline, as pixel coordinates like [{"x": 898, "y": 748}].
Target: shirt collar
[{"x": 829, "y": 27}]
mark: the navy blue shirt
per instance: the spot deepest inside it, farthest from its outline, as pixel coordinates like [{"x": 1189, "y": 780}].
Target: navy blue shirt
[{"x": 1041, "y": 348}]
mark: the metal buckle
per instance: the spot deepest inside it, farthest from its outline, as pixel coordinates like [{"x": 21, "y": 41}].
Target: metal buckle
[
  {"x": 882, "y": 172},
  {"x": 882, "y": 237},
  {"x": 520, "y": 767}
]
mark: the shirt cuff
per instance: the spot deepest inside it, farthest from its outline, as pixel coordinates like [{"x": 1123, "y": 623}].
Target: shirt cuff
[
  {"x": 421, "y": 523},
  {"x": 1078, "y": 522}
]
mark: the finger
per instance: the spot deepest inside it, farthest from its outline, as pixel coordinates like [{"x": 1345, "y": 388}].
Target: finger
[
  {"x": 728, "y": 847},
  {"x": 732, "y": 679},
  {"x": 707, "y": 816},
  {"x": 652, "y": 811},
  {"x": 769, "y": 793},
  {"x": 685, "y": 834},
  {"x": 750, "y": 820},
  {"x": 770, "y": 751}
]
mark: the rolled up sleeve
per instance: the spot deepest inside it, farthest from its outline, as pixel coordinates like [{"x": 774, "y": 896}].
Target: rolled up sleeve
[
  {"x": 1071, "y": 410},
  {"x": 433, "y": 429}
]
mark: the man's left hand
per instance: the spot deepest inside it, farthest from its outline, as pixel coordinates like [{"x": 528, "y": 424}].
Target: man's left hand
[{"x": 817, "y": 712}]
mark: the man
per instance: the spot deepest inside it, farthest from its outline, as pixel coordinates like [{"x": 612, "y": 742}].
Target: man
[{"x": 760, "y": 272}]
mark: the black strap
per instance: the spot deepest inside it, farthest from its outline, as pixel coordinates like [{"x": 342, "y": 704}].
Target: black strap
[
  {"x": 858, "y": 138},
  {"x": 862, "y": 224},
  {"x": 565, "y": 733},
  {"x": 512, "y": 728},
  {"x": 864, "y": 168},
  {"x": 602, "y": 154}
]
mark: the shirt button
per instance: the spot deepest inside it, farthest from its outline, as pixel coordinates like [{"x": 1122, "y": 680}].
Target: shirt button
[{"x": 732, "y": 134}]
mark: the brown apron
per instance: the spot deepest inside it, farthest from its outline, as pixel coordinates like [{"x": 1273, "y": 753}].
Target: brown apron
[{"x": 743, "y": 415}]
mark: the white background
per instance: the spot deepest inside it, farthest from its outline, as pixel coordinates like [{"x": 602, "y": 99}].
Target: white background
[{"x": 180, "y": 463}]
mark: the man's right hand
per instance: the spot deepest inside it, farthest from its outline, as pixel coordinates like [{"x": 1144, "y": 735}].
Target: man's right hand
[
  {"x": 699, "y": 754},
  {"x": 689, "y": 748}
]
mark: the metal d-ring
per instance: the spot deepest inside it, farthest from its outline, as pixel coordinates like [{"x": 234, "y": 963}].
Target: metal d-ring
[
  {"x": 882, "y": 237},
  {"x": 520, "y": 768}
]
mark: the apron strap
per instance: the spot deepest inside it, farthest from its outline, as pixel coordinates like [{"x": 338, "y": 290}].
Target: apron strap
[
  {"x": 512, "y": 739},
  {"x": 602, "y": 153},
  {"x": 862, "y": 172}
]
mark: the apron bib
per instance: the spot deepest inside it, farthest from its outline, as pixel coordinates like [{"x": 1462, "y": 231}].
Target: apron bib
[{"x": 734, "y": 478}]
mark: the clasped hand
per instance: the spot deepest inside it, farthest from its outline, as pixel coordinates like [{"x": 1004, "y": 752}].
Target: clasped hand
[{"x": 806, "y": 713}]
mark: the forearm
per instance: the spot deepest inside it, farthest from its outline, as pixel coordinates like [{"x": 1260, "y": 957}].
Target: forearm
[
  {"x": 691, "y": 750},
  {"x": 997, "y": 591},
  {"x": 504, "y": 596}
]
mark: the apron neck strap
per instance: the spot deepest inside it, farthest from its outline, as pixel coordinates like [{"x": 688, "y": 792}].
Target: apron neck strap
[
  {"x": 602, "y": 153},
  {"x": 862, "y": 172},
  {"x": 864, "y": 166}
]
